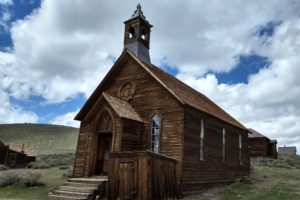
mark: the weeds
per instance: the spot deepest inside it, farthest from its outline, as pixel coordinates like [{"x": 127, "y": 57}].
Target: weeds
[
  {"x": 3, "y": 168},
  {"x": 27, "y": 178}
]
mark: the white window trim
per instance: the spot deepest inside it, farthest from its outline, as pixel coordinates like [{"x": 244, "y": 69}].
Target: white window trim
[
  {"x": 224, "y": 145},
  {"x": 240, "y": 149},
  {"x": 201, "y": 150},
  {"x": 156, "y": 150}
]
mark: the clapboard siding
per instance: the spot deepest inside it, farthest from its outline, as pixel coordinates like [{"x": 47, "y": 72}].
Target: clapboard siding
[
  {"x": 179, "y": 131},
  {"x": 150, "y": 98},
  {"x": 212, "y": 168}
]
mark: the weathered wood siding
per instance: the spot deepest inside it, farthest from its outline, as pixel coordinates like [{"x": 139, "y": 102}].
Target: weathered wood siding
[
  {"x": 212, "y": 169},
  {"x": 141, "y": 175},
  {"x": 259, "y": 146},
  {"x": 150, "y": 98},
  {"x": 3, "y": 153},
  {"x": 132, "y": 131},
  {"x": 273, "y": 150},
  {"x": 86, "y": 150}
]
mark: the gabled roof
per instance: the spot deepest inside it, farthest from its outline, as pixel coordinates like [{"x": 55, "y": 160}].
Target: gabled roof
[
  {"x": 254, "y": 134},
  {"x": 122, "y": 108},
  {"x": 291, "y": 149},
  {"x": 182, "y": 92},
  {"x": 28, "y": 150}
]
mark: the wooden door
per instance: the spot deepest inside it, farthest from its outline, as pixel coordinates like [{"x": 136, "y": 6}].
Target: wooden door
[
  {"x": 128, "y": 180},
  {"x": 103, "y": 149}
]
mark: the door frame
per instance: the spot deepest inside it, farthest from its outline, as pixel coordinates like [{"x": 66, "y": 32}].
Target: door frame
[
  {"x": 98, "y": 132},
  {"x": 102, "y": 136}
]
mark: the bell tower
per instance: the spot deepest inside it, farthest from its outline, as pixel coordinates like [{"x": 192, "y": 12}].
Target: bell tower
[{"x": 137, "y": 35}]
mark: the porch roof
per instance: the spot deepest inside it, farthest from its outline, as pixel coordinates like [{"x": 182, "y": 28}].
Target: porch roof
[{"x": 122, "y": 108}]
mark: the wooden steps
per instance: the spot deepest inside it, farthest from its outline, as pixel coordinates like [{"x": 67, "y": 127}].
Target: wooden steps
[{"x": 80, "y": 189}]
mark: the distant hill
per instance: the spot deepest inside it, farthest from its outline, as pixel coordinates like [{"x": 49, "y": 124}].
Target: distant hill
[{"x": 49, "y": 139}]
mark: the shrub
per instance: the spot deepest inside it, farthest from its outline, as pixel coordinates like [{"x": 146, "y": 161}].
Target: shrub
[
  {"x": 55, "y": 160},
  {"x": 68, "y": 173},
  {"x": 30, "y": 178},
  {"x": 287, "y": 162},
  {"x": 38, "y": 165},
  {"x": 9, "y": 178},
  {"x": 64, "y": 167},
  {"x": 3, "y": 167},
  {"x": 26, "y": 178}
]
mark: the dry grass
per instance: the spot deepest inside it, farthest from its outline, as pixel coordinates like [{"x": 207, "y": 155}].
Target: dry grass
[
  {"x": 49, "y": 139},
  {"x": 26, "y": 178}
]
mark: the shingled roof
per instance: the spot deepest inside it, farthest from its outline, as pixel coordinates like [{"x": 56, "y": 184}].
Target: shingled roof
[
  {"x": 187, "y": 95},
  {"x": 122, "y": 108},
  {"x": 28, "y": 150},
  {"x": 182, "y": 92},
  {"x": 254, "y": 134}
]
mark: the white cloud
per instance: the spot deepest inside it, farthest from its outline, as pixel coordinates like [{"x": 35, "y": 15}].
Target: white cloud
[
  {"x": 11, "y": 113},
  {"x": 6, "y": 2},
  {"x": 66, "y": 119},
  {"x": 269, "y": 103},
  {"x": 66, "y": 47},
  {"x": 4, "y": 18}
]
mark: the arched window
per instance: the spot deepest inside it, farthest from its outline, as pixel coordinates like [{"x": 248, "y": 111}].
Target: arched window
[{"x": 155, "y": 132}]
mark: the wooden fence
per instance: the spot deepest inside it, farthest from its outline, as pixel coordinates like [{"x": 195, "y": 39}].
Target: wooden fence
[{"x": 141, "y": 175}]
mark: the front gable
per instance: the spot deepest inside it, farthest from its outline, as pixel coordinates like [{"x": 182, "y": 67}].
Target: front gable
[{"x": 131, "y": 81}]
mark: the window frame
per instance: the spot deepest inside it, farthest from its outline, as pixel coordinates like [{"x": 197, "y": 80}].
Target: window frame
[
  {"x": 201, "y": 139},
  {"x": 159, "y": 133},
  {"x": 224, "y": 145},
  {"x": 240, "y": 149}
]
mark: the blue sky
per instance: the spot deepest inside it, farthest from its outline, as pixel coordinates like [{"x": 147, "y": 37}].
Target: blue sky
[
  {"x": 247, "y": 65},
  {"x": 54, "y": 54}
]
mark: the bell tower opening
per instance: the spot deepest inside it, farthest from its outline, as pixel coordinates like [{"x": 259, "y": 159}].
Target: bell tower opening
[{"x": 137, "y": 35}]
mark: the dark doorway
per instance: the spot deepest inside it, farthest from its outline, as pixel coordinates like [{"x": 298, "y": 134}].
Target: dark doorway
[
  {"x": 103, "y": 149},
  {"x": 104, "y": 133}
]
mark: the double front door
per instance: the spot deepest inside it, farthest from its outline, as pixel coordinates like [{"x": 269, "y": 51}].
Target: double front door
[{"x": 103, "y": 149}]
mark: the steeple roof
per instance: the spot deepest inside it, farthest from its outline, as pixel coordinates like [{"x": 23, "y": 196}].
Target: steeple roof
[{"x": 139, "y": 13}]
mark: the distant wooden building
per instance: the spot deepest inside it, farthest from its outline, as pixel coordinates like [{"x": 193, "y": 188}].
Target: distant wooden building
[
  {"x": 151, "y": 133},
  {"x": 261, "y": 146},
  {"x": 288, "y": 151},
  {"x": 30, "y": 151},
  {"x": 12, "y": 158}
]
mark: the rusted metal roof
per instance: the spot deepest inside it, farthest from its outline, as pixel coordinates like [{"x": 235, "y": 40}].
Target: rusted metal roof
[
  {"x": 122, "y": 108},
  {"x": 28, "y": 150}
]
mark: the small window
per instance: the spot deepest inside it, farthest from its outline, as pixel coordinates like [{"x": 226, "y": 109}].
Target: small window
[
  {"x": 201, "y": 139},
  {"x": 240, "y": 148},
  {"x": 224, "y": 144},
  {"x": 155, "y": 132}
]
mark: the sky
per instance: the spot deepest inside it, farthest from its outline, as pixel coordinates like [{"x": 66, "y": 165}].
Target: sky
[{"x": 244, "y": 55}]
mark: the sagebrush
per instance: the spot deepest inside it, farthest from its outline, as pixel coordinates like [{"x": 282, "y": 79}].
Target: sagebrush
[{"x": 27, "y": 178}]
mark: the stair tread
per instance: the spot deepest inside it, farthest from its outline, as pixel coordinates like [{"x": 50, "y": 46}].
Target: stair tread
[
  {"x": 66, "y": 197},
  {"x": 70, "y": 192},
  {"x": 81, "y": 187},
  {"x": 96, "y": 179},
  {"x": 81, "y": 184}
]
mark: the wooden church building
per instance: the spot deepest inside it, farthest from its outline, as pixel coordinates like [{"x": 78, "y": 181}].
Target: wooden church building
[{"x": 153, "y": 135}]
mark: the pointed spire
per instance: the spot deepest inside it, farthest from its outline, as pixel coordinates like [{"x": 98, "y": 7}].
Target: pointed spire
[{"x": 138, "y": 12}]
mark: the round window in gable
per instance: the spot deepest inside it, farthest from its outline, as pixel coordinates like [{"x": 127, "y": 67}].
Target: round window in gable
[{"x": 127, "y": 91}]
